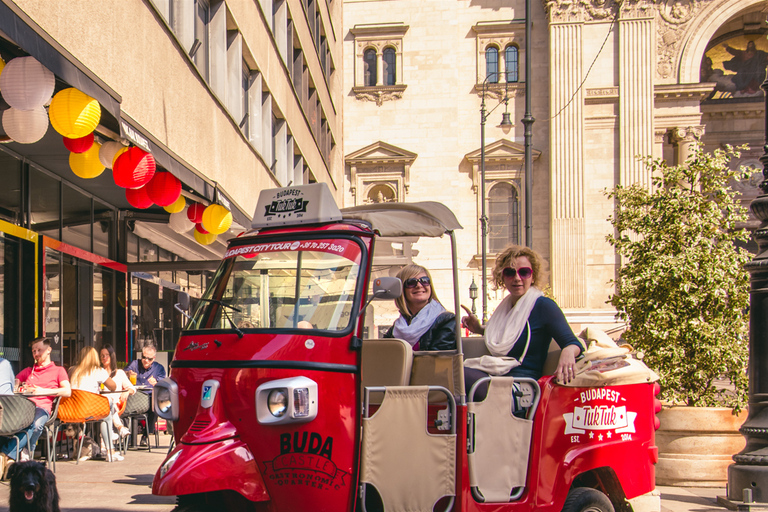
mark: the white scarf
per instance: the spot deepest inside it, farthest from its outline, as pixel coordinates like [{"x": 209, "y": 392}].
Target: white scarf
[
  {"x": 507, "y": 323},
  {"x": 419, "y": 324}
]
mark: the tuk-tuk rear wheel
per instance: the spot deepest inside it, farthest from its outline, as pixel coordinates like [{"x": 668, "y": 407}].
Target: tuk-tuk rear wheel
[{"x": 586, "y": 499}]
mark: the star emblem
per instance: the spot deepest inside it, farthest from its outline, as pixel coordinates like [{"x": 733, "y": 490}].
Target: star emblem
[
  {"x": 608, "y": 435},
  {"x": 591, "y": 435},
  {"x": 600, "y": 437}
]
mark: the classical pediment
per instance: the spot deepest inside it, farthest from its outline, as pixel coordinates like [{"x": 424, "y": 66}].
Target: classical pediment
[
  {"x": 380, "y": 153},
  {"x": 502, "y": 151}
]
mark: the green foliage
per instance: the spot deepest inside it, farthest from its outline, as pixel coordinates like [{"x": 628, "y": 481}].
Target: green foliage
[{"x": 682, "y": 286}]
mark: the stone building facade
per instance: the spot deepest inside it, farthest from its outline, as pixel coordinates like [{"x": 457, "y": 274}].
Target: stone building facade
[{"x": 609, "y": 81}]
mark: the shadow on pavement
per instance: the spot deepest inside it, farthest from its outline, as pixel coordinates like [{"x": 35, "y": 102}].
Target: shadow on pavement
[{"x": 145, "y": 479}]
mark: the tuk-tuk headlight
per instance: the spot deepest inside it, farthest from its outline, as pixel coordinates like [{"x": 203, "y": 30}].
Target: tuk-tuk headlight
[
  {"x": 292, "y": 400},
  {"x": 165, "y": 399},
  {"x": 277, "y": 402}
]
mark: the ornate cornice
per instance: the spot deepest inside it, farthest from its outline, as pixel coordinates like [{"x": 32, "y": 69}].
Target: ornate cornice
[
  {"x": 379, "y": 93},
  {"x": 498, "y": 91},
  {"x": 579, "y": 11},
  {"x": 686, "y": 133}
]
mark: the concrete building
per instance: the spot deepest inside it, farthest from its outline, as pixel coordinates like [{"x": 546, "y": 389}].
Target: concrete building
[
  {"x": 229, "y": 96},
  {"x": 610, "y": 81}
]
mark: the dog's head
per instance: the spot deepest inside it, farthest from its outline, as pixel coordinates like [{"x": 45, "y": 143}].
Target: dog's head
[
  {"x": 27, "y": 480},
  {"x": 71, "y": 430}
]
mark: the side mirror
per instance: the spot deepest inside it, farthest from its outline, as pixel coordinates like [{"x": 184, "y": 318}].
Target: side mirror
[
  {"x": 183, "y": 303},
  {"x": 387, "y": 288}
]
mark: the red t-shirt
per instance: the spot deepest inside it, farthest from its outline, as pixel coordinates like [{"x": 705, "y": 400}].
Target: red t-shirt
[{"x": 50, "y": 377}]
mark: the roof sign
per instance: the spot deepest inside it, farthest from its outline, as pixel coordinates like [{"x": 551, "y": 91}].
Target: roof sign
[{"x": 303, "y": 204}]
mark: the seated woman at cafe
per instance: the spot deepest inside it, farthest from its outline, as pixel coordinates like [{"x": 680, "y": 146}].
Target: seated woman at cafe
[
  {"x": 88, "y": 375},
  {"x": 109, "y": 363}
]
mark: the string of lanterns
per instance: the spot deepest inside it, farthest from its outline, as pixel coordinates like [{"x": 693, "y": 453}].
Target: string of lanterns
[{"x": 28, "y": 86}]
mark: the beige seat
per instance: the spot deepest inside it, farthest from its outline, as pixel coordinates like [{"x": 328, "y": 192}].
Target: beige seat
[
  {"x": 474, "y": 346},
  {"x": 386, "y": 362}
]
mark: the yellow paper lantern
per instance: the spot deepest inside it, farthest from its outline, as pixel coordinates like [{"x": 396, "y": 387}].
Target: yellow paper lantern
[
  {"x": 177, "y": 206},
  {"x": 118, "y": 153},
  {"x": 217, "y": 219},
  {"x": 204, "y": 238},
  {"x": 87, "y": 165},
  {"x": 2, "y": 66},
  {"x": 74, "y": 114}
]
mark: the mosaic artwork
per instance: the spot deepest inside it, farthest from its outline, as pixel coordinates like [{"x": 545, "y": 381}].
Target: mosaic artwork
[{"x": 737, "y": 66}]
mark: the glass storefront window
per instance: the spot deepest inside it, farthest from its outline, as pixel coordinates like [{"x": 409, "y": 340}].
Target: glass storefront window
[
  {"x": 103, "y": 310},
  {"x": 103, "y": 229},
  {"x": 52, "y": 302},
  {"x": 45, "y": 203},
  {"x": 9, "y": 290},
  {"x": 10, "y": 192},
  {"x": 76, "y": 219}
]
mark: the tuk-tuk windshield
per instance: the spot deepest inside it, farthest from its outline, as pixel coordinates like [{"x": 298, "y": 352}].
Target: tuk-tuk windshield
[{"x": 306, "y": 284}]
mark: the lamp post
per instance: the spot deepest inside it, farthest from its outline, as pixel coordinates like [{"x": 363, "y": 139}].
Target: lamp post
[
  {"x": 473, "y": 294},
  {"x": 748, "y": 477},
  {"x": 505, "y": 125},
  {"x": 528, "y": 132}
]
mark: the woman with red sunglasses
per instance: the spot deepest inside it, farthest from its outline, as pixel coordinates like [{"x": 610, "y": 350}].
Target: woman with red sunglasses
[
  {"x": 521, "y": 328},
  {"x": 423, "y": 323}
]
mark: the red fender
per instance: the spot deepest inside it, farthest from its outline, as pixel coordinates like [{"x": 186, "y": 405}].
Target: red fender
[{"x": 201, "y": 468}]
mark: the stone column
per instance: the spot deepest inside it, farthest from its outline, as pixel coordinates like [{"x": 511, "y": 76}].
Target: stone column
[
  {"x": 568, "y": 244},
  {"x": 683, "y": 138},
  {"x": 636, "y": 65}
]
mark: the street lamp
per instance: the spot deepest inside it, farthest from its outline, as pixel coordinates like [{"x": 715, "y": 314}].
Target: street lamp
[
  {"x": 505, "y": 125},
  {"x": 473, "y": 295}
]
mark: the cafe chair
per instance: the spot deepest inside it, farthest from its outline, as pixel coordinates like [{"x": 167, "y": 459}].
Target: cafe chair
[
  {"x": 85, "y": 407},
  {"x": 16, "y": 415},
  {"x": 136, "y": 409},
  {"x": 49, "y": 429}
]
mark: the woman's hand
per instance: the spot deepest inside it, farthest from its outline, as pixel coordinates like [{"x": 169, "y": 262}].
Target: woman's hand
[
  {"x": 124, "y": 396},
  {"x": 566, "y": 365},
  {"x": 471, "y": 322}
]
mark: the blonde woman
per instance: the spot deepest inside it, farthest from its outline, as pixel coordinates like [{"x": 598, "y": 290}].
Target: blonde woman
[{"x": 423, "y": 323}]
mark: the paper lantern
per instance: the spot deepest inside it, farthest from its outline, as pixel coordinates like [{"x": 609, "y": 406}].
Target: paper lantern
[
  {"x": 164, "y": 189},
  {"x": 179, "y": 222},
  {"x": 195, "y": 212},
  {"x": 2, "y": 65},
  {"x": 199, "y": 227},
  {"x": 26, "y": 84},
  {"x": 108, "y": 151},
  {"x": 177, "y": 206},
  {"x": 87, "y": 165},
  {"x": 25, "y": 126},
  {"x": 117, "y": 155},
  {"x": 74, "y": 114},
  {"x": 133, "y": 169},
  {"x": 217, "y": 219},
  {"x": 138, "y": 197},
  {"x": 80, "y": 145},
  {"x": 204, "y": 238}
]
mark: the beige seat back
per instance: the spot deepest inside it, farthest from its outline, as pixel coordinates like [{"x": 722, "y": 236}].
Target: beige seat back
[
  {"x": 386, "y": 362},
  {"x": 410, "y": 468},
  {"x": 474, "y": 346},
  {"x": 498, "y": 465},
  {"x": 438, "y": 369}
]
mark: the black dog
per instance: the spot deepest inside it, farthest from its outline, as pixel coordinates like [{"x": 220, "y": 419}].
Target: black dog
[{"x": 33, "y": 488}]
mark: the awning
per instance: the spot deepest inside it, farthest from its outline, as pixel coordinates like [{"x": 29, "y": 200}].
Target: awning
[
  {"x": 168, "y": 160},
  {"x": 22, "y": 30}
]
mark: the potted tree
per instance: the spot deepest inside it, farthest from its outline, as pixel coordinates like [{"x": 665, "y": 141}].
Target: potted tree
[{"x": 684, "y": 293}]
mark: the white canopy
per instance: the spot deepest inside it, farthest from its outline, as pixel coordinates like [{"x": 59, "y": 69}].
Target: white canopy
[{"x": 427, "y": 218}]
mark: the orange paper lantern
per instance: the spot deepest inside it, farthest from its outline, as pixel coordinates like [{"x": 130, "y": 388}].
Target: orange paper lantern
[
  {"x": 204, "y": 238},
  {"x": 217, "y": 219},
  {"x": 133, "y": 169},
  {"x": 138, "y": 197},
  {"x": 177, "y": 206},
  {"x": 195, "y": 212},
  {"x": 87, "y": 165},
  {"x": 164, "y": 188},
  {"x": 80, "y": 145}
]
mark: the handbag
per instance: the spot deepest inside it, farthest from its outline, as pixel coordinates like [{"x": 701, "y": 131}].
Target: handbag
[
  {"x": 137, "y": 403},
  {"x": 83, "y": 406}
]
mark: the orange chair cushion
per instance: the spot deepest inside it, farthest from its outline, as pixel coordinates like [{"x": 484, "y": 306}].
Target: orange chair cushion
[{"x": 83, "y": 406}]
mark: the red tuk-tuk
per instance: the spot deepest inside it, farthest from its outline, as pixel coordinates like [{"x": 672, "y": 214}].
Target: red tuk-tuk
[{"x": 279, "y": 404}]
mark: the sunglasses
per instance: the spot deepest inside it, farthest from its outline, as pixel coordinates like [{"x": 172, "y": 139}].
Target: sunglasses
[
  {"x": 412, "y": 282},
  {"x": 523, "y": 272},
  {"x": 148, "y": 358}
]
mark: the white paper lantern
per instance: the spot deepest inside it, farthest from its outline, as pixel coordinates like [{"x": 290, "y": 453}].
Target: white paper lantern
[
  {"x": 25, "y": 126},
  {"x": 179, "y": 222},
  {"x": 108, "y": 151},
  {"x": 26, "y": 84}
]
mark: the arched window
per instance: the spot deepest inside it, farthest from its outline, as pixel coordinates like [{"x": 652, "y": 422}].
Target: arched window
[
  {"x": 388, "y": 66},
  {"x": 492, "y": 64},
  {"x": 503, "y": 217},
  {"x": 511, "y": 63},
  {"x": 369, "y": 58}
]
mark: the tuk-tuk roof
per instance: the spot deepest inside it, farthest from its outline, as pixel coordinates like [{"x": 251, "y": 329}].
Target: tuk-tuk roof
[{"x": 426, "y": 218}]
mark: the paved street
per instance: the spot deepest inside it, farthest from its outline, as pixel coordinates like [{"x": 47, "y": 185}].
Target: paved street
[{"x": 125, "y": 486}]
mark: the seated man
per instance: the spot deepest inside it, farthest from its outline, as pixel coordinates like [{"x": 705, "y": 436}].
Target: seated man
[
  {"x": 45, "y": 379},
  {"x": 148, "y": 373}
]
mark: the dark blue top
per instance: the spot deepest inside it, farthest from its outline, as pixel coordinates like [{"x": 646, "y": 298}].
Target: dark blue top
[
  {"x": 142, "y": 375},
  {"x": 547, "y": 321}
]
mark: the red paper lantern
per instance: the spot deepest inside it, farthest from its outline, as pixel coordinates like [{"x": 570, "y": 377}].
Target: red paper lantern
[
  {"x": 138, "y": 197},
  {"x": 164, "y": 189},
  {"x": 195, "y": 213},
  {"x": 80, "y": 145},
  {"x": 200, "y": 229},
  {"x": 133, "y": 169}
]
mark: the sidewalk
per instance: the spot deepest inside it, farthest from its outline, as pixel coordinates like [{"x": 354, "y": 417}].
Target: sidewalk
[{"x": 100, "y": 486}]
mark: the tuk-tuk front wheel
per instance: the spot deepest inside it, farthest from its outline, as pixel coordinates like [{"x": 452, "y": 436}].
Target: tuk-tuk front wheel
[{"x": 586, "y": 499}]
